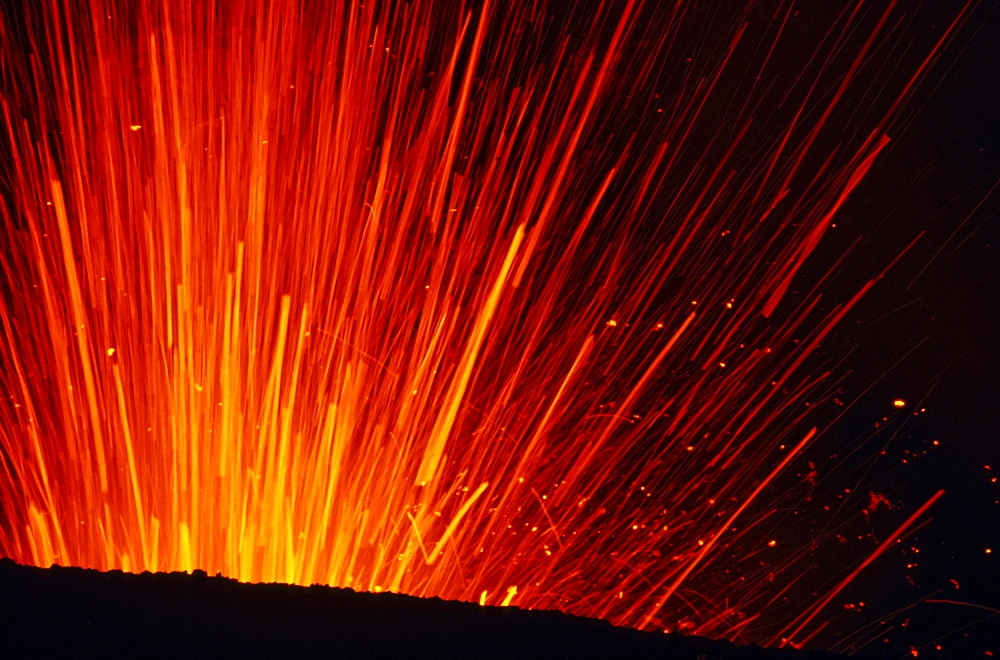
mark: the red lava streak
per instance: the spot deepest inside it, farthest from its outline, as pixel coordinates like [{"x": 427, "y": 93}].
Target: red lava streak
[{"x": 473, "y": 300}]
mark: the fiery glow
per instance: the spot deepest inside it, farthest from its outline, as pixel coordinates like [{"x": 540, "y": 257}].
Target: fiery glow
[{"x": 483, "y": 302}]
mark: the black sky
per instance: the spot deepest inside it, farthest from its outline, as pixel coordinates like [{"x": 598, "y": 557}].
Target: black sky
[{"x": 929, "y": 333}]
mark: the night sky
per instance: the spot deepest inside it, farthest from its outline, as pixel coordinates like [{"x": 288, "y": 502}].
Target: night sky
[{"x": 929, "y": 335}]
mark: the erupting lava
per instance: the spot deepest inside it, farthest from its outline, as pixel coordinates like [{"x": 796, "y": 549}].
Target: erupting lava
[{"x": 487, "y": 302}]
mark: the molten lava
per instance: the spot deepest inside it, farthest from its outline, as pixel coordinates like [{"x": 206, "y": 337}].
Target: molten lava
[{"x": 495, "y": 303}]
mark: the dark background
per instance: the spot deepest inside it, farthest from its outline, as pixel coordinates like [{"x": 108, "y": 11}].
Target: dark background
[{"x": 928, "y": 334}]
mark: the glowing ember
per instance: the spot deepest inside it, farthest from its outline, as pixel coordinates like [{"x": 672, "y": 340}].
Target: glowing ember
[{"x": 485, "y": 303}]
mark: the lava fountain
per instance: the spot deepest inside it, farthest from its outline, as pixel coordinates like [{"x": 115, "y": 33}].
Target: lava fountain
[{"x": 507, "y": 304}]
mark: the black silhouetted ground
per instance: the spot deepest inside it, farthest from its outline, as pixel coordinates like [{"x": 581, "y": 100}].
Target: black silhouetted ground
[{"x": 71, "y": 612}]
